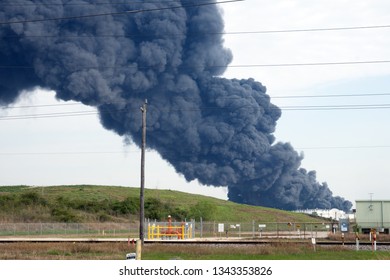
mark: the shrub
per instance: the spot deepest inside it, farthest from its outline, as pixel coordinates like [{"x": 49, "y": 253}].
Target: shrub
[
  {"x": 104, "y": 217},
  {"x": 157, "y": 210},
  {"x": 204, "y": 210},
  {"x": 128, "y": 206},
  {"x": 61, "y": 214},
  {"x": 179, "y": 214},
  {"x": 7, "y": 202}
]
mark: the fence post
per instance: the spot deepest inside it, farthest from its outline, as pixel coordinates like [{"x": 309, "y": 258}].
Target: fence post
[{"x": 201, "y": 227}]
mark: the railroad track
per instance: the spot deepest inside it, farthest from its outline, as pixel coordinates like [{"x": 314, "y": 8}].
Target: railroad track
[{"x": 210, "y": 241}]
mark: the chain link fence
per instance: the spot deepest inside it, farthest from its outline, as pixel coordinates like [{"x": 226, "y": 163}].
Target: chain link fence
[
  {"x": 69, "y": 229},
  {"x": 202, "y": 229},
  {"x": 263, "y": 229}
]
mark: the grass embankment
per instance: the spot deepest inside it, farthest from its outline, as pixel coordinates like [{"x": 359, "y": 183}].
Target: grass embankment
[{"x": 85, "y": 203}]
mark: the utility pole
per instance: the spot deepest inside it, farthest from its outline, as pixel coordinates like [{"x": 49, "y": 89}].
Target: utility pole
[{"x": 141, "y": 196}]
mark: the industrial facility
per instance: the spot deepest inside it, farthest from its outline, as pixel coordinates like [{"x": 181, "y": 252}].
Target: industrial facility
[{"x": 373, "y": 215}]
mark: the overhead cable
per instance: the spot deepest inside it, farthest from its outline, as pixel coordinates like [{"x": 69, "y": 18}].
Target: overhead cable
[
  {"x": 117, "y": 13},
  {"x": 284, "y": 108},
  {"x": 78, "y": 68},
  {"x": 169, "y": 35}
]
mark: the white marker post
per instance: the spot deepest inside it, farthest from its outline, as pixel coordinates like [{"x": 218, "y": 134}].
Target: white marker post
[
  {"x": 373, "y": 235},
  {"x": 313, "y": 241},
  {"x": 221, "y": 229},
  {"x": 357, "y": 241},
  {"x": 261, "y": 227}
]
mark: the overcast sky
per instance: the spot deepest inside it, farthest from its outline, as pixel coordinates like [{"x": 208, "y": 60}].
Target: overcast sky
[{"x": 348, "y": 144}]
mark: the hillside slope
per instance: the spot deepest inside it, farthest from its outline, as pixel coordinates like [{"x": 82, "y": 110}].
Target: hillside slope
[{"x": 90, "y": 203}]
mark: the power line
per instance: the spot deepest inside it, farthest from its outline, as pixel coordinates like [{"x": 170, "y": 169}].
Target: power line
[
  {"x": 119, "y": 13},
  {"x": 167, "y": 35},
  {"x": 335, "y": 107},
  {"x": 54, "y": 153},
  {"x": 87, "y": 4},
  {"x": 305, "y": 64},
  {"x": 63, "y": 153},
  {"x": 228, "y": 97},
  {"x": 344, "y": 147},
  {"x": 39, "y": 106},
  {"x": 283, "y": 108},
  {"x": 78, "y": 68},
  {"x": 271, "y": 97},
  {"x": 290, "y": 108},
  {"x": 48, "y": 115},
  {"x": 331, "y": 95},
  {"x": 199, "y": 4},
  {"x": 309, "y": 29}
]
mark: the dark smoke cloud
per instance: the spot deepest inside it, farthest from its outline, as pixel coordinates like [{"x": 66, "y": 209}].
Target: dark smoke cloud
[{"x": 209, "y": 128}]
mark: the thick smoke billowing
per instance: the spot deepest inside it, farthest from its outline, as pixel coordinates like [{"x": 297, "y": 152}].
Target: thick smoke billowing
[{"x": 209, "y": 128}]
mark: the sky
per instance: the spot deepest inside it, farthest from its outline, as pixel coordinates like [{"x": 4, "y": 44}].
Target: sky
[{"x": 347, "y": 146}]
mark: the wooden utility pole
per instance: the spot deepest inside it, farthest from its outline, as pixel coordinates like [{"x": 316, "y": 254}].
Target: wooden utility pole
[{"x": 141, "y": 196}]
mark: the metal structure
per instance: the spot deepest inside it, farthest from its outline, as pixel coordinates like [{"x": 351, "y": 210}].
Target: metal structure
[{"x": 171, "y": 230}]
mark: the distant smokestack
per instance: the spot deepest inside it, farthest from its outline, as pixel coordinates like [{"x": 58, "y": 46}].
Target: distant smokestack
[{"x": 209, "y": 128}]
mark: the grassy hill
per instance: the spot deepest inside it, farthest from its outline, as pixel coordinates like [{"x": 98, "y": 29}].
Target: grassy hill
[{"x": 87, "y": 203}]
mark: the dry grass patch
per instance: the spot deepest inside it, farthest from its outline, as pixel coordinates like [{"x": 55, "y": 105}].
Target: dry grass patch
[{"x": 63, "y": 251}]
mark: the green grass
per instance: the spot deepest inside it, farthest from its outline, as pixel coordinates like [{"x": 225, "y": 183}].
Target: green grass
[
  {"x": 118, "y": 251},
  {"x": 89, "y": 203},
  {"x": 258, "y": 252}
]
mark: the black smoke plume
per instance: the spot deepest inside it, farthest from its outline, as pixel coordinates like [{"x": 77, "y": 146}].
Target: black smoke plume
[{"x": 209, "y": 128}]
